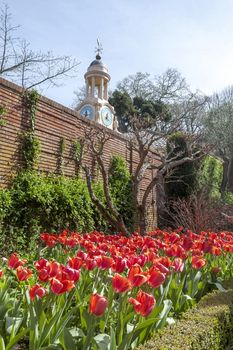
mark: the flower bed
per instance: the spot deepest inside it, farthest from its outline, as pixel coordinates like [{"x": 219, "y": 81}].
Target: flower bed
[{"x": 95, "y": 291}]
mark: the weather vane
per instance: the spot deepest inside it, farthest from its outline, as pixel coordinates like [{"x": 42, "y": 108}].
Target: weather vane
[{"x": 99, "y": 48}]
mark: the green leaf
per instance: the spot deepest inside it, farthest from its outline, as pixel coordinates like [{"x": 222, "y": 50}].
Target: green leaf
[
  {"x": 76, "y": 332},
  {"x": 164, "y": 314},
  {"x": 13, "y": 324},
  {"x": 103, "y": 341},
  {"x": 112, "y": 340},
  {"x": 16, "y": 338},
  {"x": 219, "y": 286},
  {"x": 67, "y": 340},
  {"x": 2, "y": 344}
]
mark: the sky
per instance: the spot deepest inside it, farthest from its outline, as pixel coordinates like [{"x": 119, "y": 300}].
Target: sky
[{"x": 193, "y": 36}]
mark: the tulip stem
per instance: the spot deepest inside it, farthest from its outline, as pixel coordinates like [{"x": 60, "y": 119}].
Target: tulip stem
[{"x": 88, "y": 339}]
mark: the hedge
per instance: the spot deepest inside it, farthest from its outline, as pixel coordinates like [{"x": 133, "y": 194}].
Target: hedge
[{"x": 209, "y": 325}]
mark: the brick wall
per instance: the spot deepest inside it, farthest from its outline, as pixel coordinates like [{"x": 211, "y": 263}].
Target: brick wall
[{"x": 54, "y": 122}]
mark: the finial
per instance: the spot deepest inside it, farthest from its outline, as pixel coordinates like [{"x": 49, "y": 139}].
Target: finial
[{"x": 98, "y": 49}]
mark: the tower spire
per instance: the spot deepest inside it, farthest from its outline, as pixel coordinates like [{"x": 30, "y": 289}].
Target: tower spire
[{"x": 98, "y": 49}]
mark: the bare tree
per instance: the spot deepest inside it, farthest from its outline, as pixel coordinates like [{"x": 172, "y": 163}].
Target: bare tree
[
  {"x": 24, "y": 66},
  {"x": 96, "y": 140},
  {"x": 147, "y": 142}
]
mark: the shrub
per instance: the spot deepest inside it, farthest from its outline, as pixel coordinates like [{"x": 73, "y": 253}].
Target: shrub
[
  {"x": 121, "y": 189},
  {"x": 5, "y": 203},
  {"x": 183, "y": 179},
  {"x": 209, "y": 325},
  {"x": 210, "y": 175},
  {"x": 49, "y": 203}
]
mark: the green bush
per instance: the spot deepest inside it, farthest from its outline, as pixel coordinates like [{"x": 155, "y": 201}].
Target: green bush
[
  {"x": 120, "y": 185},
  {"x": 183, "y": 179},
  {"x": 41, "y": 202},
  {"x": 5, "y": 204},
  {"x": 228, "y": 198},
  {"x": 209, "y": 325},
  {"x": 210, "y": 175}
]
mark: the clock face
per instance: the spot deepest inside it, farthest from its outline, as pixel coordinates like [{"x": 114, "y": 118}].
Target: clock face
[
  {"x": 106, "y": 115},
  {"x": 87, "y": 111}
]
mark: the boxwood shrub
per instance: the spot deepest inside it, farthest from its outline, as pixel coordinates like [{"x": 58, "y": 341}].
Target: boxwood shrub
[{"x": 209, "y": 325}]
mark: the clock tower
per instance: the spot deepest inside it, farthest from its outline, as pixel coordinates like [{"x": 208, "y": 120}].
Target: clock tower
[{"x": 95, "y": 106}]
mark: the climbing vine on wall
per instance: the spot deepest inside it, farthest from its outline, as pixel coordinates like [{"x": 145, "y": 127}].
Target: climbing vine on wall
[
  {"x": 62, "y": 148},
  {"x": 2, "y": 120},
  {"x": 30, "y": 142}
]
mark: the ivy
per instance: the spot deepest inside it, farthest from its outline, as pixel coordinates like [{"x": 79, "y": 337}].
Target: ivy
[
  {"x": 62, "y": 149},
  {"x": 30, "y": 142},
  {"x": 3, "y": 122},
  {"x": 78, "y": 148}
]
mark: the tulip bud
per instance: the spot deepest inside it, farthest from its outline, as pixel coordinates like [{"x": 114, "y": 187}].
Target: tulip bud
[{"x": 98, "y": 304}]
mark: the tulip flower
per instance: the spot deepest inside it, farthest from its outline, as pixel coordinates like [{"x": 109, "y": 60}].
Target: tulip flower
[
  {"x": 215, "y": 269},
  {"x": 105, "y": 262},
  {"x": 1, "y": 273},
  {"x": 70, "y": 274},
  {"x": 143, "y": 304},
  {"x": 198, "y": 262},
  {"x": 156, "y": 278},
  {"x": 75, "y": 262},
  {"x": 90, "y": 264},
  {"x": 14, "y": 261},
  {"x": 136, "y": 276},
  {"x": 120, "y": 264},
  {"x": 41, "y": 263},
  {"x": 98, "y": 304},
  {"x": 23, "y": 273},
  {"x": 37, "y": 290},
  {"x": 178, "y": 264},
  {"x": 120, "y": 283},
  {"x": 59, "y": 287}
]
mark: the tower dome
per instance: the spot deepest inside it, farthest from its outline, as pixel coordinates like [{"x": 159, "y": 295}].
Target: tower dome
[{"x": 95, "y": 105}]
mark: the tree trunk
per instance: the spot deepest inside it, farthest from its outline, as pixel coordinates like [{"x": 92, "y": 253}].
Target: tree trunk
[
  {"x": 230, "y": 175},
  {"x": 224, "y": 175},
  {"x": 143, "y": 220}
]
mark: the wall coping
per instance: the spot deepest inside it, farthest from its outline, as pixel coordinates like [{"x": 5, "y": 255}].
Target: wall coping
[{"x": 20, "y": 90}]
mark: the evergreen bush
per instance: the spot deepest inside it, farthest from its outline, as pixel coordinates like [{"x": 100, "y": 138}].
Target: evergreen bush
[
  {"x": 120, "y": 185},
  {"x": 209, "y": 325}
]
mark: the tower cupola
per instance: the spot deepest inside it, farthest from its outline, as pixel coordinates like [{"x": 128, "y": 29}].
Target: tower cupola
[{"x": 95, "y": 106}]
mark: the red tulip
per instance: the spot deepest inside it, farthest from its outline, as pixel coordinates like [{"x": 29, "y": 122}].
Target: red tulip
[
  {"x": 40, "y": 264},
  {"x": 37, "y": 290},
  {"x": 120, "y": 264},
  {"x": 70, "y": 274},
  {"x": 178, "y": 264},
  {"x": 54, "y": 269},
  {"x": 23, "y": 273},
  {"x": 98, "y": 304},
  {"x": 156, "y": 278},
  {"x": 198, "y": 262},
  {"x": 43, "y": 275},
  {"x": 105, "y": 262},
  {"x": 215, "y": 269},
  {"x": 15, "y": 261},
  {"x": 59, "y": 287},
  {"x": 50, "y": 240},
  {"x": 90, "y": 264},
  {"x": 75, "y": 262},
  {"x": 136, "y": 276},
  {"x": 1, "y": 273},
  {"x": 143, "y": 304},
  {"x": 120, "y": 283}
]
